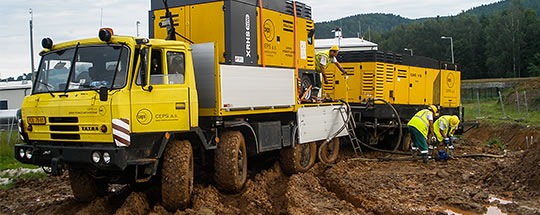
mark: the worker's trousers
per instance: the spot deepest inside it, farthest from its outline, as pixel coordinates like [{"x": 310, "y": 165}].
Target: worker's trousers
[{"x": 418, "y": 140}]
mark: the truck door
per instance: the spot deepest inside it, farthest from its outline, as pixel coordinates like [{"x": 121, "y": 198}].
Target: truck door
[{"x": 159, "y": 96}]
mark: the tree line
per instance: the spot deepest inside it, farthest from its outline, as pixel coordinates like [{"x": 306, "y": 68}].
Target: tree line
[{"x": 500, "y": 44}]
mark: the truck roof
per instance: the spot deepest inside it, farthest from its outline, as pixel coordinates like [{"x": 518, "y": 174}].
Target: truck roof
[{"x": 116, "y": 39}]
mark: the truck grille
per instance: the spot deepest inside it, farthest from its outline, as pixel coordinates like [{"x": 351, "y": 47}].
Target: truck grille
[
  {"x": 66, "y": 136},
  {"x": 64, "y": 128},
  {"x": 63, "y": 119}
]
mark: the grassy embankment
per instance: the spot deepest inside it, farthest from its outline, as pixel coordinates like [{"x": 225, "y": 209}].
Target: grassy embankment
[
  {"x": 8, "y": 161},
  {"x": 490, "y": 108},
  {"x": 7, "y": 158}
]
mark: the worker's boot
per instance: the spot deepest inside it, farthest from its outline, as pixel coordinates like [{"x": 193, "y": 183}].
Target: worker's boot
[
  {"x": 415, "y": 151},
  {"x": 425, "y": 157}
]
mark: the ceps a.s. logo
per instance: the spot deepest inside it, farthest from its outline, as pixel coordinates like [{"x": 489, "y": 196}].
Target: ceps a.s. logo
[
  {"x": 269, "y": 31},
  {"x": 144, "y": 116},
  {"x": 450, "y": 79}
]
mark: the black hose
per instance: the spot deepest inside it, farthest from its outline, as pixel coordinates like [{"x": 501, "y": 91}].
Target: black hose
[
  {"x": 350, "y": 117},
  {"x": 394, "y": 151},
  {"x": 348, "y": 109},
  {"x": 398, "y": 120}
]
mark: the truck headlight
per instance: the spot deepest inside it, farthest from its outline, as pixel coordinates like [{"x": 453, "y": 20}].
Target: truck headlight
[
  {"x": 106, "y": 157},
  {"x": 21, "y": 153},
  {"x": 29, "y": 154},
  {"x": 96, "y": 157}
]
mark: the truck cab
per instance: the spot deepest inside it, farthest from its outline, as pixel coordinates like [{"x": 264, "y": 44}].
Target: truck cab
[{"x": 88, "y": 94}]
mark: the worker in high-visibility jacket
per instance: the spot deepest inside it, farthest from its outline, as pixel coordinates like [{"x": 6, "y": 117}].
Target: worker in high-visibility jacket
[
  {"x": 420, "y": 125},
  {"x": 445, "y": 127},
  {"x": 323, "y": 60}
]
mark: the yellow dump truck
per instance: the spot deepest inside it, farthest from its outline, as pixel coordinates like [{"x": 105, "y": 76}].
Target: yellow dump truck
[{"x": 120, "y": 109}]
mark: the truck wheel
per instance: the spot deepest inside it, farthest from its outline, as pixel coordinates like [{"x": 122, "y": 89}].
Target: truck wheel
[
  {"x": 298, "y": 158},
  {"x": 83, "y": 186},
  {"x": 406, "y": 142},
  {"x": 329, "y": 152},
  {"x": 102, "y": 188},
  {"x": 177, "y": 175},
  {"x": 230, "y": 162}
]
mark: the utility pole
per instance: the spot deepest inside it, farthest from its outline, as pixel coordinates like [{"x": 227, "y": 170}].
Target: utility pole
[
  {"x": 369, "y": 32},
  {"x": 32, "y": 44},
  {"x": 359, "y": 30},
  {"x": 101, "y": 19},
  {"x": 451, "y": 46},
  {"x": 137, "y": 24},
  {"x": 406, "y": 49}
]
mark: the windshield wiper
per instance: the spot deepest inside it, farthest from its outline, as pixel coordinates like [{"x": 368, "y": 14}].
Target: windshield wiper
[{"x": 46, "y": 87}]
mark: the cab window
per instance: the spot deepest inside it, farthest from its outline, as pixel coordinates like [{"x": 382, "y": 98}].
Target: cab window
[
  {"x": 156, "y": 68},
  {"x": 175, "y": 67}
]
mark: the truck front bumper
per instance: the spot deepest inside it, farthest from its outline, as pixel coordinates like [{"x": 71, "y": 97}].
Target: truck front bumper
[{"x": 58, "y": 157}]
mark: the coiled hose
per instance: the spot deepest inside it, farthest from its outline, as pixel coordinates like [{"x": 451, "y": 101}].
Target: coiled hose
[{"x": 350, "y": 117}]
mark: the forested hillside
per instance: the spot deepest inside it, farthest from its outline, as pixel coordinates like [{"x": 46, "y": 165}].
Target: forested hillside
[
  {"x": 491, "y": 41},
  {"x": 352, "y": 25}
]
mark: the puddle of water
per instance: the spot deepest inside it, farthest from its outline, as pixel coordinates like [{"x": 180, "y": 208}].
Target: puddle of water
[
  {"x": 501, "y": 201},
  {"x": 491, "y": 209}
]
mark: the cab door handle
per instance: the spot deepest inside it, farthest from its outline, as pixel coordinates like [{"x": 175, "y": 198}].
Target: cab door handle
[{"x": 180, "y": 105}]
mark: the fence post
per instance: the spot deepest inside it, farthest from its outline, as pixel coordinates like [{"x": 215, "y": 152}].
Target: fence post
[
  {"x": 502, "y": 105},
  {"x": 526, "y": 106},
  {"x": 478, "y": 101},
  {"x": 517, "y": 101}
]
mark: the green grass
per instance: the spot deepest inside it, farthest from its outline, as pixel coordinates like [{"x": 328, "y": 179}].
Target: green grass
[
  {"x": 496, "y": 142},
  {"x": 27, "y": 175},
  {"x": 23, "y": 177},
  {"x": 7, "y": 157},
  {"x": 491, "y": 111}
]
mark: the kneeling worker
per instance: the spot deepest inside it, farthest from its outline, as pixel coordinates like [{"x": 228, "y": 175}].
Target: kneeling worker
[
  {"x": 419, "y": 126},
  {"x": 445, "y": 127}
]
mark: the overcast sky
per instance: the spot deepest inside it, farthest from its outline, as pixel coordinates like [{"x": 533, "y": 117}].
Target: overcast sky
[{"x": 65, "y": 20}]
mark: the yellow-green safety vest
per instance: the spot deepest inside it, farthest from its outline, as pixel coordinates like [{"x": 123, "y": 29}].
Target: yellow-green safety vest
[
  {"x": 446, "y": 120},
  {"x": 318, "y": 60},
  {"x": 420, "y": 122}
]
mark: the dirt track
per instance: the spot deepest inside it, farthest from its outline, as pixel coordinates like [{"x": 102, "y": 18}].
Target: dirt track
[{"x": 348, "y": 187}]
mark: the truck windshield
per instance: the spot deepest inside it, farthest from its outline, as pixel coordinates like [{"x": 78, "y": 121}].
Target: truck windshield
[{"x": 93, "y": 67}]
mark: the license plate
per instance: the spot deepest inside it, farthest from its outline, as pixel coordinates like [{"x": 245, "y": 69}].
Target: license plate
[{"x": 36, "y": 120}]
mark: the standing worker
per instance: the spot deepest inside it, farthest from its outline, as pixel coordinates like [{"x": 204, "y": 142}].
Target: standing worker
[
  {"x": 419, "y": 126},
  {"x": 445, "y": 127},
  {"x": 323, "y": 59}
]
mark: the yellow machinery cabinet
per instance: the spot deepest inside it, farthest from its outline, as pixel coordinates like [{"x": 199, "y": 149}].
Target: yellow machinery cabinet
[
  {"x": 431, "y": 82},
  {"x": 344, "y": 87},
  {"x": 417, "y": 86},
  {"x": 244, "y": 34},
  {"x": 409, "y": 80},
  {"x": 450, "y": 88},
  {"x": 401, "y": 89}
]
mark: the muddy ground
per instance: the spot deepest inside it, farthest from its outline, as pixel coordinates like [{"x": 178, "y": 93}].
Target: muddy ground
[{"x": 348, "y": 187}]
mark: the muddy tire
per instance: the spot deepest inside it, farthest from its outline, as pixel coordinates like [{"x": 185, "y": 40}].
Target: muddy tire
[
  {"x": 230, "y": 162},
  {"x": 298, "y": 158},
  {"x": 102, "y": 188},
  {"x": 83, "y": 186},
  {"x": 329, "y": 152},
  {"x": 177, "y": 175},
  {"x": 406, "y": 142}
]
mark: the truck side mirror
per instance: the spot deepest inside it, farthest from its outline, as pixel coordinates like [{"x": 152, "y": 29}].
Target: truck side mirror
[{"x": 103, "y": 94}]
